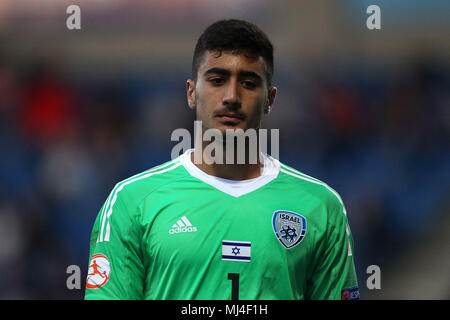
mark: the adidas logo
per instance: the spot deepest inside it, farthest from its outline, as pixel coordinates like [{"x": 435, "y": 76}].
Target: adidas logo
[{"x": 182, "y": 225}]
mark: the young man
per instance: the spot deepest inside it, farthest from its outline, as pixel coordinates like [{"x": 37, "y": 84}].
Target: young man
[{"x": 196, "y": 229}]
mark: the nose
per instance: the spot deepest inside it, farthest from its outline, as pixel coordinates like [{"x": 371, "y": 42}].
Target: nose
[{"x": 231, "y": 97}]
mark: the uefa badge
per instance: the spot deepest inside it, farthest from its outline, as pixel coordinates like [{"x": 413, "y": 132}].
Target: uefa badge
[
  {"x": 289, "y": 227},
  {"x": 99, "y": 272}
]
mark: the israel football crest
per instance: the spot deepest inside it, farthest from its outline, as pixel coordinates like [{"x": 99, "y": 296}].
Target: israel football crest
[{"x": 289, "y": 227}]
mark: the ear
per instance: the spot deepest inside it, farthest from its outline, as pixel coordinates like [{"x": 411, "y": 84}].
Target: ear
[
  {"x": 190, "y": 92},
  {"x": 270, "y": 99}
]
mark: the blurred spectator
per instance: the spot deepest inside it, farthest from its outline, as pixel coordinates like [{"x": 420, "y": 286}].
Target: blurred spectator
[{"x": 49, "y": 106}]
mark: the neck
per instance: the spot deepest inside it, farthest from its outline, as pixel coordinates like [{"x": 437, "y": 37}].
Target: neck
[{"x": 230, "y": 163}]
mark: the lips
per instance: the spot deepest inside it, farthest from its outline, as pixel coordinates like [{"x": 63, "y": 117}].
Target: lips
[{"x": 230, "y": 117}]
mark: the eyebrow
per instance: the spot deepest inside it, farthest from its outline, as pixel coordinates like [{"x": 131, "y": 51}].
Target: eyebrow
[{"x": 241, "y": 74}]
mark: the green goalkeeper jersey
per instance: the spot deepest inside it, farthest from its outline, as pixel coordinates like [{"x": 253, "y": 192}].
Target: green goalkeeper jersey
[{"x": 175, "y": 232}]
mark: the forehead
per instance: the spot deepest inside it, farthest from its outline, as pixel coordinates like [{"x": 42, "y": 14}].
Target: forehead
[{"x": 233, "y": 62}]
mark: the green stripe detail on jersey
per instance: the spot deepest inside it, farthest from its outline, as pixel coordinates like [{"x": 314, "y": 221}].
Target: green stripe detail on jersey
[
  {"x": 300, "y": 175},
  {"x": 108, "y": 207},
  {"x": 298, "y": 172},
  {"x": 107, "y": 202}
]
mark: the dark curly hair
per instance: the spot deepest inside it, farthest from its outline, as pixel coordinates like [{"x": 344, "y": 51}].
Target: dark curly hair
[{"x": 237, "y": 36}]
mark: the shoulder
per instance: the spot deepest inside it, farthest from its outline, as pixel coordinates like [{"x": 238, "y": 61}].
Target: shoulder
[
  {"x": 138, "y": 186},
  {"x": 121, "y": 207},
  {"x": 314, "y": 187}
]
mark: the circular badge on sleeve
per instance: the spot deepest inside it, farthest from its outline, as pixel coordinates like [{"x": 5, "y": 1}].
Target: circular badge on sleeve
[{"x": 99, "y": 271}]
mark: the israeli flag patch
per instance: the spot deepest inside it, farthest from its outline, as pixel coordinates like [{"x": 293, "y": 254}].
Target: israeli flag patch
[{"x": 236, "y": 250}]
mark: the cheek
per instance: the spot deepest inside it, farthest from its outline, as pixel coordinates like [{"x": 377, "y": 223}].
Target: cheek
[
  {"x": 204, "y": 105},
  {"x": 207, "y": 99},
  {"x": 258, "y": 106},
  {"x": 257, "y": 112}
]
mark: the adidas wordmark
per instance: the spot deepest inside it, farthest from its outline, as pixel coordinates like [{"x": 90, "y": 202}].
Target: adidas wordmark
[{"x": 182, "y": 225}]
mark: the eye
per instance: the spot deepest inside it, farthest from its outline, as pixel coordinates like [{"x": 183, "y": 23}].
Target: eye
[
  {"x": 249, "y": 84},
  {"x": 216, "y": 81}
]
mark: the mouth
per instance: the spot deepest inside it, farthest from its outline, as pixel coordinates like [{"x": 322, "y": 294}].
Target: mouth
[{"x": 230, "y": 118}]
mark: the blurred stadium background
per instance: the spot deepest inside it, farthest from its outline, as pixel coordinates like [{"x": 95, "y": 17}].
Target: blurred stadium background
[{"x": 366, "y": 111}]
